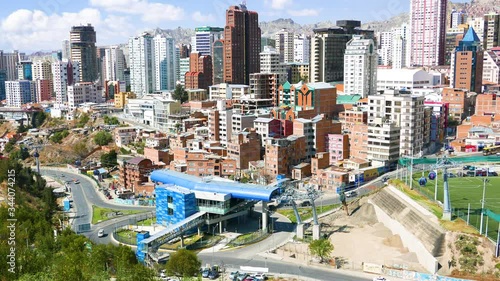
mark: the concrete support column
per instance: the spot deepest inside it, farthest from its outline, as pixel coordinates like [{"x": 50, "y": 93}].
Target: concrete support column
[
  {"x": 182, "y": 241},
  {"x": 220, "y": 227},
  {"x": 199, "y": 231},
  {"x": 300, "y": 231},
  {"x": 264, "y": 217},
  {"x": 316, "y": 232}
]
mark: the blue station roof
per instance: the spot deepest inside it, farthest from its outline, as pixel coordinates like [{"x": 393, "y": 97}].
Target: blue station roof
[{"x": 237, "y": 190}]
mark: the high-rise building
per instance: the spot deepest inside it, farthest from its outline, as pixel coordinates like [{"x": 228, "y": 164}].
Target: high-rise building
[
  {"x": 428, "y": 30},
  {"x": 467, "y": 63},
  {"x": 3, "y": 78},
  {"x": 66, "y": 50},
  {"x": 301, "y": 48},
  {"x": 114, "y": 64},
  {"x": 20, "y": 92},
  {"x": 384, "y": 49},
  {"x": 401, "y": 46},
  {"x": 457, "y": 18},
  {"x": 184, "y": 51},
  {"x": 360, "y": 67},
  {"x": 478, "y": 24},
  {"x": 270, "y": 63},
  {"x": 327, "y": 50},
  {"x": 25, "y": 70},
  {"x": 8, "y": 62},
  {"x": 183, "y": 69},
  {"x": 84, "y": 51},
  {"x": 453, "y": 36},
  {"x": 491, "y": 37},
  {"x": 388, "y": 111},
  {"x": 141, "y": 58},
  {"x": 43, "y": 90},
  {"x": 284, "y": 45},
  {"x": 83, "y": 92},
  {"x": 205, "y": 38},
  {"x": 241, "y": 44},
  {"x": 200, "y": 72},
  {"x": 266, "y": 41},
  {"x": 165, "y": 62},
  {"x": 218, "y": 61},
  {"x": 42, "y": 70},
  {"x": 64, "y": 73}
]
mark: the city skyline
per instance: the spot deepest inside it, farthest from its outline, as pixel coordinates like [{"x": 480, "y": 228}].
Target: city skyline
[{"x": 33, "y": 26}]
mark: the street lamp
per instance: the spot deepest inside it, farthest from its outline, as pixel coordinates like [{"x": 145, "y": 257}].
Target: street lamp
[{"x": 482, "y": 206}]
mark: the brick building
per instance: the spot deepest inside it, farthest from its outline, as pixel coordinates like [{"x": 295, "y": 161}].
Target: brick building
[
  {"x": 134, "y": 172},
  {"x": 244, "y": 147},
  {"x": 338, "y": 147},
  {"x": 203, "y": 164},
  {"x": 315, "y": 130},
  {"x": 487, "y": 104},
  {"x": 283, "y": 154},
  {"x": 349, "y": 118},
  {"x": 461, "y": 102},
  {"x": 358, "y": 141},
  {"x": 200, "y": 72}
]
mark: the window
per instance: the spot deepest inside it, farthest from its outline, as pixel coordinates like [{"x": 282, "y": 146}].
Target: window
[
  {"x": 170, "y": 211},
  {"x": 170, "y": 199}
]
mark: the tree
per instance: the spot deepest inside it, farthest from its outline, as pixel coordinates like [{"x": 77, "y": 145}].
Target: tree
[
  {"x": 109, "y": 159},
  {"x": 321, "y": 248},
  {"x": 22, "y": 153},
  {"x": 180, "y": 94},
  {"x": 111, "y": 120},
  {"x": 103, "y": 138},
  {"x": 57, "y": 137},
  {"x": 38, "y": 119},
  {"x": 83, "y": 120},
  {"x": 9, "y": 146},
  {"x": 183, "y": 263}
]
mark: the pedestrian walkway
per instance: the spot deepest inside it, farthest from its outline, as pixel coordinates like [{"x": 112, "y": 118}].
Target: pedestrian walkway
[{"x": 228, "y": 237}]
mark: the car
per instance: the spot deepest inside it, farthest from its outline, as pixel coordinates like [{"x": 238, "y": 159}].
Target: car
[
  {"x": 76, "y": 181},
  {"x": 249, "y": 278},
  {"x": 351, "y": 193},
  {"x": 241, "y": 276},
  {"x": 380, "y": 278},
  {"x": 466, "y": 167},
  {"x": 163, "y": 274},
  {"x": 451, "y": 175},
  {"x": 492, "y": 174},
  {"x": 213, "y": 275},
  {"x": 233, "y": 275},
  {"x": 260, "y": 277},
  {"x": 305, "y": 203},
  {"x": 100, "y": 233},
  {"x": 205, "y": 273}
]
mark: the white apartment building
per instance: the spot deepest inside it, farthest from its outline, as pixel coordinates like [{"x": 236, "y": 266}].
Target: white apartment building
[
  {"x": 385, "y": 48},
  {"x": 401, "y": 46},
  {"x": 141, "y": 62},
  {"x": 360, "y": 67},
  {"x": 222, "y": 122},
  {"x": 154, "y": 110},
  {"x": 270, "y": 63},
  {"x": 42, "y": 70},
  {"x": 183, "y": 68},
  {"x": 383, "y": 142},
  {"x": 491, "y": 31},
  {"x": 241, "y": 121},
  {"x": 114, "y": 64},
  {"x": 401, "y": 109},
  {"x": 66, "y": 49},
  {"x": 84, "y": 92},
  {"x": 64, "y": 74},
  {"x": 284, "y": 45},
  {"x": 478, "y": 25},
  {"x": 457, "y": 18},
  {"x": 491, "y": 67},
  {"x": 301, "y": 48},
  {"x": 262, "y": 127},
  {"x": 226, "y": 91},
  {"x": 20, "y": 92},
  {"x": 165, "y": 63}
]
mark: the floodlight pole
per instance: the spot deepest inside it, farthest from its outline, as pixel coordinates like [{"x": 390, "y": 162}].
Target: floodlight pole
[
  {"x": 482, "y": 207},
  {"x": 436, "y": 183},
  {"x": 446, "y": 198}
]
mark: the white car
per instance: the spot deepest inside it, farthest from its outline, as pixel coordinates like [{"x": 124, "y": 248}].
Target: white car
[
  {"x": 260, "y": 277},
  {"x": 100, "y": 233}
]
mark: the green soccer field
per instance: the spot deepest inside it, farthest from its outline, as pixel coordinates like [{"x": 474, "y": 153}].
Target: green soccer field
[{"x": 465, "y": 191}]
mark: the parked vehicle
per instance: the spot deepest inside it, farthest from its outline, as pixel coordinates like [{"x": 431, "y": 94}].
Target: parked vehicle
[
  {"x": 100, "y": 233},
  {"x": 233, "y": 275},
  {"x": 351, "y": 193},
  {"x": 241, "y": 276},
  {"x": 466, "y": 167},
  {"x": 213, "y": 275},
  {"x": 492, "y": 174},
  {"x": 205, "y": 273},
  {"x": 260, "y": 277}
]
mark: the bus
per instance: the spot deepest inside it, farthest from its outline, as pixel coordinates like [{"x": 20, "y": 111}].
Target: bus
[{"x": 491, "y": 150}]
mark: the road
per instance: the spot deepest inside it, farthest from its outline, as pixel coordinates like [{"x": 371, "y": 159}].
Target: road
[{"x": 85, "y": 195}]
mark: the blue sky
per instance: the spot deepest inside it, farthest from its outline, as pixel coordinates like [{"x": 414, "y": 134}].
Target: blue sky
[{"x": 31, "y": 25}]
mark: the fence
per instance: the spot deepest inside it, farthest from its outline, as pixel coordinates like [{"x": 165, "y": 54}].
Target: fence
[{"x": 472, "y": 216}]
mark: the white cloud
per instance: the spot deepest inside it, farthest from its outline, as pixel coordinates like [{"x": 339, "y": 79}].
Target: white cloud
[
  {"x": 151, "y": 12},
  {"x": 304, "y": 13},
  {"x": 199, "y": 17},
  {"x": 279, "y": 4},
  {"x": 34, "y": 30}
]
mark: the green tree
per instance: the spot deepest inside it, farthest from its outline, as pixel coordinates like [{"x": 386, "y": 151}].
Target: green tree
[
  {"x": 22, "y": 129},
  {"x": 10, "y": 146},
  {"x": 57, "y": 137},
  {"x": 21, "y": 154},
  {"x": 111, "y": 120},
  {"x": 321, "y": 248},
  {"x": 180, "y": 94},
  {"x": 103, "y": 138},
  {"x": 183, "y": 263},
  {"x": 83, "y": 120},
  {"x": 38, "y": 119},
  {"x": 109, "y": 159}
]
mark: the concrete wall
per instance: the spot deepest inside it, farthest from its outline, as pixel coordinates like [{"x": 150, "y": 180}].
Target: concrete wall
[{"x": 419, "y": 234}]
